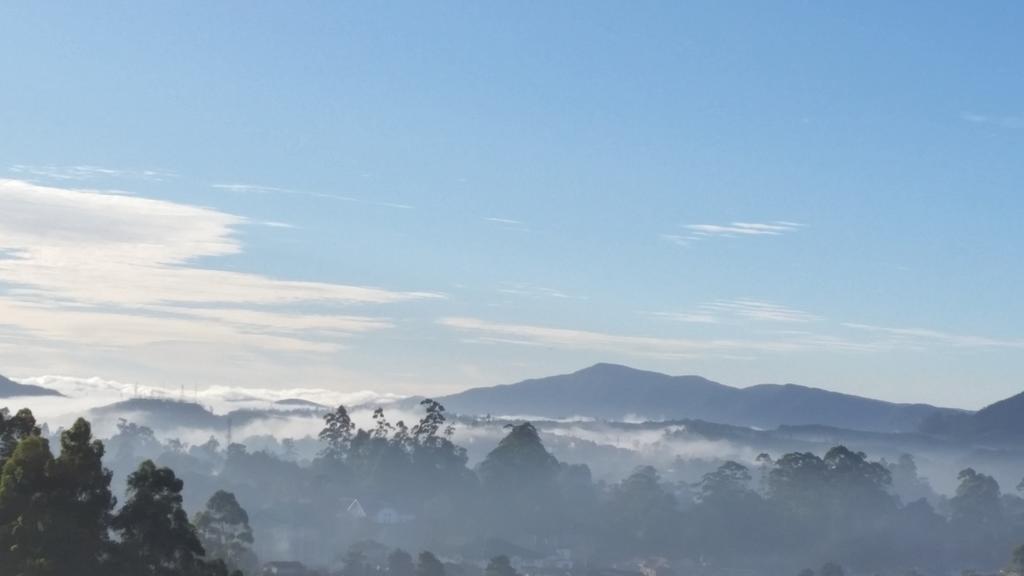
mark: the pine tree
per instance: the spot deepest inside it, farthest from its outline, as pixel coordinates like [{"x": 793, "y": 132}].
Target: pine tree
[
  {"x": 81, "y": 504},
  {"x": 156, "y": 536}
]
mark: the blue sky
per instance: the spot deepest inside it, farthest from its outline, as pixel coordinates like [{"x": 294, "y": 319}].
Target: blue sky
[{"x": 421, "y": 197}]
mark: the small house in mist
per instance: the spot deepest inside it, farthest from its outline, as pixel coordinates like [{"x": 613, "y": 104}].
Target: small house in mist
[
  {"x": 390, "y": 516},
  {"x": 354, "y": 509}
]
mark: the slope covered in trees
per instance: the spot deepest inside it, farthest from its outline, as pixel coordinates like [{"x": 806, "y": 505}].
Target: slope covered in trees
[{"x": 770, "y": 515}]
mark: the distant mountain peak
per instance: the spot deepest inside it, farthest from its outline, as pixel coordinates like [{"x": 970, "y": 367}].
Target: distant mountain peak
[
  {"x": 10, "y": 389},
  {"x": 608, "y": 366},
  {"x": 611, "y": 370},
  {"x": 614, "y": 391}
]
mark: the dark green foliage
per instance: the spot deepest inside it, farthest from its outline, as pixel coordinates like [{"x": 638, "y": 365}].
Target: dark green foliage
[
  {"x": 428, "y": 565},
  {"x": 224, "y": 531},
  {"x": 13, "y": 429},
  {"x": 731, "y": 480},
  {"x": 518, "y": 478},
  {"x": 797, "y": 481},
  {"x": 976, "y": 503},
  {"x": 355, "y": 563},
  {"x": 81, "y": 503},
  {"x": 418, "y": 469},
  {"x": 831, "y": 569},
  {"x": 647, "y": 515},
  {"x": 500, "y": 566},
  {"x": 799, "y": 510},
  {"x": 337, "y": 433},
  {"x": 907, "y": 483},
  {"x": 26, "y": 520},
  {"x": 1016, "y": 566},
  {"x": 400, "y": 563},
  {"x": 730, "y": 519},
  {"x": 977, "y": 516},
  {"x": 55, "y": 513},
  {"x": 156, "y": 536},
  {"x": 518, "y": 462},
  {"x": 856, "y": 481},
  {"x": 132, "y": 444}
]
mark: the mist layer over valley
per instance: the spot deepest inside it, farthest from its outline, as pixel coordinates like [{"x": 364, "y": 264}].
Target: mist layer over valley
[{"x": 531, "y": 470}]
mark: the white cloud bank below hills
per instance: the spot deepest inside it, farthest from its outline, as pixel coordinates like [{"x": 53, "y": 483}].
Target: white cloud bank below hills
[
  {"x": 83, "y": 394},
  {"x": 87, "y": 273}
]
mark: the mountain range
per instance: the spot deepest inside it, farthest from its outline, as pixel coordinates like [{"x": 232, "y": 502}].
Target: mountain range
[
  {"x": 614, "y": 392},
  {"x": 619, "y": 393}
]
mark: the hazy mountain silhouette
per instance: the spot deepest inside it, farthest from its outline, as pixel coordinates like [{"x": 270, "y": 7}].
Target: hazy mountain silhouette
[
  {"x": 165, "y": 413},
  {"x": 9, "y": 388},
  {"x": 1005, "y": 416},
  {"x": 301, "y": 403},
  {"x": 1002, "y": 420},
  {"x": 614, "y": 392}
]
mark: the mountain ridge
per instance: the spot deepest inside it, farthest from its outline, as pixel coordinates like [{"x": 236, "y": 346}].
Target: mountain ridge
[
  {"x": 613, "y": 391},
  {"x": 10, "y": 389}
]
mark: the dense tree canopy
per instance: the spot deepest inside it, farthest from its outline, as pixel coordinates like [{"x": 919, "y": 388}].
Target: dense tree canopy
[
  {"x": 27, "y": 526},
  {"x": 156, "y": 537},
  {"x": 82, "y": 503},
  {"x": 58, "y": 515},
  {"x": 225, "y": 534}
]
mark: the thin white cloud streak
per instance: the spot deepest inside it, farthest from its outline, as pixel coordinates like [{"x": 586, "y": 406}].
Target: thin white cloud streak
[
  {"x": 508, "y": 221},
  {"x": 257, "y": 189},
  {"x": 677, "y": 239},
  {"x": 76, "y": 326},
  {"x": 743, "y": 229},
  {"x": 291, "y": 321},
  {"x": 738, "y": 310},
  {"x": 690, "y": 317},
  {"x": 697, "y": 232},
  {"x": 1009, "y": 122},
  {"x": 86, "y": 172},
  {"x": 531, "y": 290},
  {"x": 922, "y": 337},
  {"x": 573, "y": 339},
  {"x": 508, "y": 224}
]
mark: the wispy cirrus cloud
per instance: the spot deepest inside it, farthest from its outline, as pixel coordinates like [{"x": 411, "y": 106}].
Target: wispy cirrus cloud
[
  {"x": 927, "y": 338},
  {"x": 276, "y": 224},
  {"x": 86, "y": 172},
  {"x": 510, "y": 224},
  {"x": 507, "y": 221},
  {"x": 258, "y": 189},
  {"x": 741, "y": 309},
  {"x": 840, "y": 338},
  {"x": 87, "y": 268},
  {"x": 697, "y": 232},
  {"x": 1010, "y": 122},
  {"x": 652, "y": 346},
  {"x": 529, "y": 290}
]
